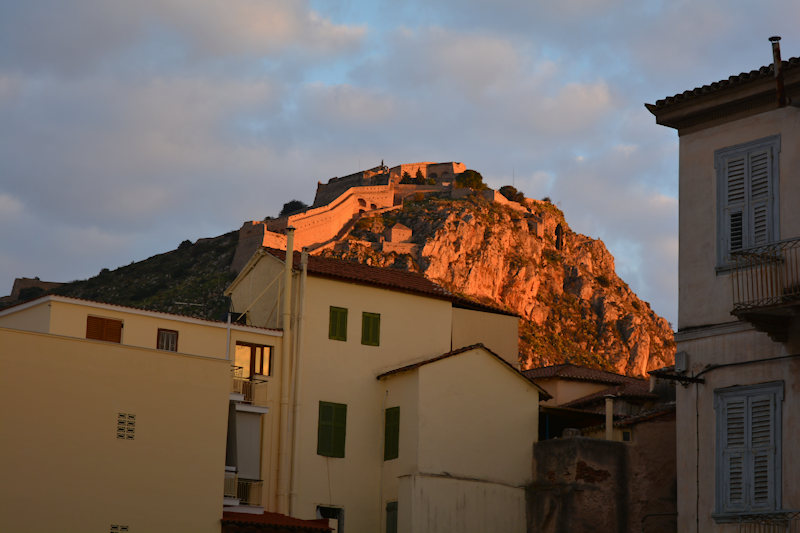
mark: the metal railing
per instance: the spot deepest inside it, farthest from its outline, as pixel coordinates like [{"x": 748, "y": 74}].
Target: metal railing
[
  {"x": 783, "y": 522},
  {"x": 766, "y": 276},
  {"x": 249, "y": 491},
  {"x": 231, "y": 484},
  {"x": 247, "y": 387}
]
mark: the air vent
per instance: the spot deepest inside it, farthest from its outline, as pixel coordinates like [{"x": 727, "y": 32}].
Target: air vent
[
  {"x": 117, "y": 528},
  {"x": 126, "y": 429}
]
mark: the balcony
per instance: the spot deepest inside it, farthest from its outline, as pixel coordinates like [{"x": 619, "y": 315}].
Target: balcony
[
  {"x": 241, "y": 491},
  {"x": 766, "y": 286},
  {"x": 777, "y": 522},
  {"x": 248, "y": 390}
]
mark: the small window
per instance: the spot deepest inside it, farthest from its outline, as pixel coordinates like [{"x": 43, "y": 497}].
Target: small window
[
  {"x": 126, "y": 426},
  {"x": 335, "y": 516},
  {"x": 626, "y": 436},
  {"x": 371, "y": 329},
  {"x": 103, "y": 329},
  {"x": 253, "y": 359},
  {"x": 391, "y": 517},
  {"x": 118, "y": 528},
  {"x": 331, "y": 429},
  {"x": 337, "y": 329},
  {"x": 391, "y": 440},
  {"x": 167, "y": 340}
]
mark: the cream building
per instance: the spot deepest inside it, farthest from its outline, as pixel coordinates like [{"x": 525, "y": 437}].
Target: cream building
[
  {"x": 739, "y": 299},
  {"x": 115, "y": 419},
  {"x": 393, "y": 417}
]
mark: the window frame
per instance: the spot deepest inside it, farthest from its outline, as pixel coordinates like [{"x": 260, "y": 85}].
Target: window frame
[
  {"x": 370, "y": 329},
  {"x": 391, "y": 433},
  {"x": 266, "y": 355},
  {"x": 725, "y": 510},
  {"x": 166, "y": 332},
  {"x": 337, "y": 325},
  {"x": 721, "y": 158},
  {"x": 333, "y": 443}
]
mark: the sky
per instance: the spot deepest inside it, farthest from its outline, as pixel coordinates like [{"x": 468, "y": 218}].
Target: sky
[{"x": 128, "y": 127}]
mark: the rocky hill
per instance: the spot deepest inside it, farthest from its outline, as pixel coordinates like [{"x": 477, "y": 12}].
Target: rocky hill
[{"x": 573, "y": 305}]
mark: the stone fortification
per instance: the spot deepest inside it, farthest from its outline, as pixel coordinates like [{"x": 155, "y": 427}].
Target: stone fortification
[
  {"x": 328, "y": 192},
  {"x": 443, "y": 173}
]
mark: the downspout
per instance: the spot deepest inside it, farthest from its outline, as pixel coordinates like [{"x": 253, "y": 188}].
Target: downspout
[
  {"x": 228, "y": 339},
  {"x": 297, "y": 352},
  {"x": 283, "y": 449}
]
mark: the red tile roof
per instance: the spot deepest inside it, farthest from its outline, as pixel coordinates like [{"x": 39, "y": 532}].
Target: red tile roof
[
  {"x": 275, "y": 519},
  {"x": 634, "y": 390},
  {"x": 733, "y": 81},
  {"x": 386, "y": 278},
  {"x": 578, "y": 373},
  {"x": 543, "y": 395}
]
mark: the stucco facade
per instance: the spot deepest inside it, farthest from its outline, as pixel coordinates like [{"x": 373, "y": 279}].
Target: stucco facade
[{"x": 735, "y": 418}]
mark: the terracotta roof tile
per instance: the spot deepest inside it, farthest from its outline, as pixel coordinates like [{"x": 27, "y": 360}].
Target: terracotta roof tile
[
  {"x": 634, "y": 390},
  {"x": 732, "y": 81},
  {"x": 275, "y": 519},
  {"x": 578, "y": 373}
]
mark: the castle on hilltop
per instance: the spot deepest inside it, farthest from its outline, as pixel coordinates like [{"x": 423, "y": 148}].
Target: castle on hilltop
[{"x": 339, "y": 203}]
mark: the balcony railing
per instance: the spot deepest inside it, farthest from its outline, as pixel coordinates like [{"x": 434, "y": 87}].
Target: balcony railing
[
  {"x": 784, "y": 522},
  {"x": 247, "y": 387},
  {"x": 231, "y": 484},
  {"x": 766, "y": 275},
  {"x": 249, "y": 491}
]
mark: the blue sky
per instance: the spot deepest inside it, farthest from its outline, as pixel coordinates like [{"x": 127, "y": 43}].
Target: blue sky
[{"x": 128, "y": 127}]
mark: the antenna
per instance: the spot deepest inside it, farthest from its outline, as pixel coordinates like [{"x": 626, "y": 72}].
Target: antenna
[{"x": 513, "y": 178}]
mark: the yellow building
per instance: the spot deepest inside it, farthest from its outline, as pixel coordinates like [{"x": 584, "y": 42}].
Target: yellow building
[
  {"x": 115, "y": 419},
  {"x": 739, "y": 300},
  {"x": 392, "y": 417}
]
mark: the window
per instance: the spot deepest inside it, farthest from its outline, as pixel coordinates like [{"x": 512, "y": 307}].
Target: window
[
  {"x": 626, "y": 436},
  {"x": 371, "y": 329},
  {"x": 103, "y": 329},
  {"x": 253, "y": 359},
  {"x": 748, "y": 462},
  {"x": 335, "y": 516},
  {"x": 391, "y": 439},
  {"x": 337, "y": 330},
  {"x": 391, "y": 517},
  {"x": 167, "y": 339},
  {"x": 747, "y": 192},
  {"x": 332, "y": 428}
]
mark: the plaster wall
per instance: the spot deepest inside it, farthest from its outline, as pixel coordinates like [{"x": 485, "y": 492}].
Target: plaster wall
[
  {"x": 499, "y": 333},
  {"x": 566, "y": 390},
  {"x": 435, "y": 504},
  {"x": 401, "y": 390},
  {"x": 704, "y": 295},
  {"x": 65, "y": 468},
  {"x": 33, "y": 318},
  {"x": 695, "y": 409}
]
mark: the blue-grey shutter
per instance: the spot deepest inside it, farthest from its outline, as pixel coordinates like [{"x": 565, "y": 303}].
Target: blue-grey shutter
[
  {"x": 760, "y": 167},
  {"x": 761, "y": 409},
  {"x": 735, "y": 202},
  {"x": 734, "y": 451}
]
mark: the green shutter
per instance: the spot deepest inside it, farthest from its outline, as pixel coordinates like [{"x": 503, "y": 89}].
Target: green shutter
[
  {"x": 391, "y": 441},
  {"x": 391, "y": 517},
  {"x": 331, "y": 429},
  {"x": 337, "y": 329},
  {"x": 371, "y": 329}
]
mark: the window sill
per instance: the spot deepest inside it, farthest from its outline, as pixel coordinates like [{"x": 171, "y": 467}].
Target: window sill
[{"x": 753, "y": 516}]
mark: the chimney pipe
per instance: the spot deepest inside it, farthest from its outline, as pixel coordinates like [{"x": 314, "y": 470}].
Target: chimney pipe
[{"x": 777, "y": 68}]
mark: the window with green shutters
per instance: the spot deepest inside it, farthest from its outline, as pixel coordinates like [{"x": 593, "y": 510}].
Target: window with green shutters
[
  {"x": 337, "y": 329},
  {"x": 331, "y": 429},
  {"x": 391, "y": 441},
  {"x": 391, "y": 517},
  {"x": 371, "y": 329},
  {"x": 748, "y": 452}
]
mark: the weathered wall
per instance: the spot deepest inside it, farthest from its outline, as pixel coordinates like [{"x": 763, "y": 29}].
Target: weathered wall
[{"x": 579, "y": 486}]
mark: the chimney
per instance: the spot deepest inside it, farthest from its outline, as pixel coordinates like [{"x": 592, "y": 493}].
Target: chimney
[{"x": 777, "y": 68}]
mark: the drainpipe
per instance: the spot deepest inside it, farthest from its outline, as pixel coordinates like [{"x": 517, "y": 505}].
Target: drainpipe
[
  {"x": 609, "y": 417},
  {"x": 283, "y": 450},
  {"x": 298, "y": 348},
  {"x": 777, "y": 68}
]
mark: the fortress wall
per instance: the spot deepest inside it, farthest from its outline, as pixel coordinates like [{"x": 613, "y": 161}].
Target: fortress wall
[
  {"x": 401, "y": 247},
  {"x": 446, "y": 172}
]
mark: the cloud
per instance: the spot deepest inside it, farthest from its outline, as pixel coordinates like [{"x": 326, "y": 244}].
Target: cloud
[{"x": 10, "y": 207}]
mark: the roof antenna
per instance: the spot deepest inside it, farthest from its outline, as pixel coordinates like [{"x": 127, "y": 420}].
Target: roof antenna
[{"x": 777, "y": 68}]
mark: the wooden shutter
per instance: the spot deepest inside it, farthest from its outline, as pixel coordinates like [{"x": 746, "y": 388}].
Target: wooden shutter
[
  {"x": 339, "y": 429},
  {"x": 337, "y": 328},
  {"x": 760, "y": 165},
  {"x": 735, "y": 202},
  {"x": 391, "y": 441},
  {"x": 762, "y": 449},
  {"x": 331, "y": 429},
  {"x": 391, "y": 517},
  {"x": 733, "y": 454},
  {"x": 371, "y": 329},
  {"x": 103, "y": 329}
]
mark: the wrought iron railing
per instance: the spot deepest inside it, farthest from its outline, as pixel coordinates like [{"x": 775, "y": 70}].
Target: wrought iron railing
[
  {"x": 247, "y": 387},
  {"x": 766, "y": 276},
  {"x": 231, "y": 484},
  {"x": 781, "y": 522},
  {"x": 249, "y": 491}
]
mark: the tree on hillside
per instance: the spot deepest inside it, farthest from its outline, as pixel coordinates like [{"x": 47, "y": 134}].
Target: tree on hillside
[
  {"x": 291, "y": 207},
  {"x": 512, "y": 194},
  {"x": 471, "y": 179},
  {"x": 419, "y": 179},
  {"x": 406, "y": 178}
]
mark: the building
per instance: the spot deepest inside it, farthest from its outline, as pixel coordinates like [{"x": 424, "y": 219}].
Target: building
[
  {"x": 394, "y": 398},
  {"x": 738, "y": 334},
  {"x": 115, "y": 419}
]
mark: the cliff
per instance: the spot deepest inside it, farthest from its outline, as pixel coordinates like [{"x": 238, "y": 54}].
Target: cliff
[{"x": 573, "y": 305}]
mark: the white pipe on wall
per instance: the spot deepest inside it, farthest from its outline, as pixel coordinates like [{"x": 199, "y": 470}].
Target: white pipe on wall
[{"x": 283, "y": 450}]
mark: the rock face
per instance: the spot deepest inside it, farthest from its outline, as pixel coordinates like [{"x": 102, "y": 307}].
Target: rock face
[{"x": 573, "y": 305}]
